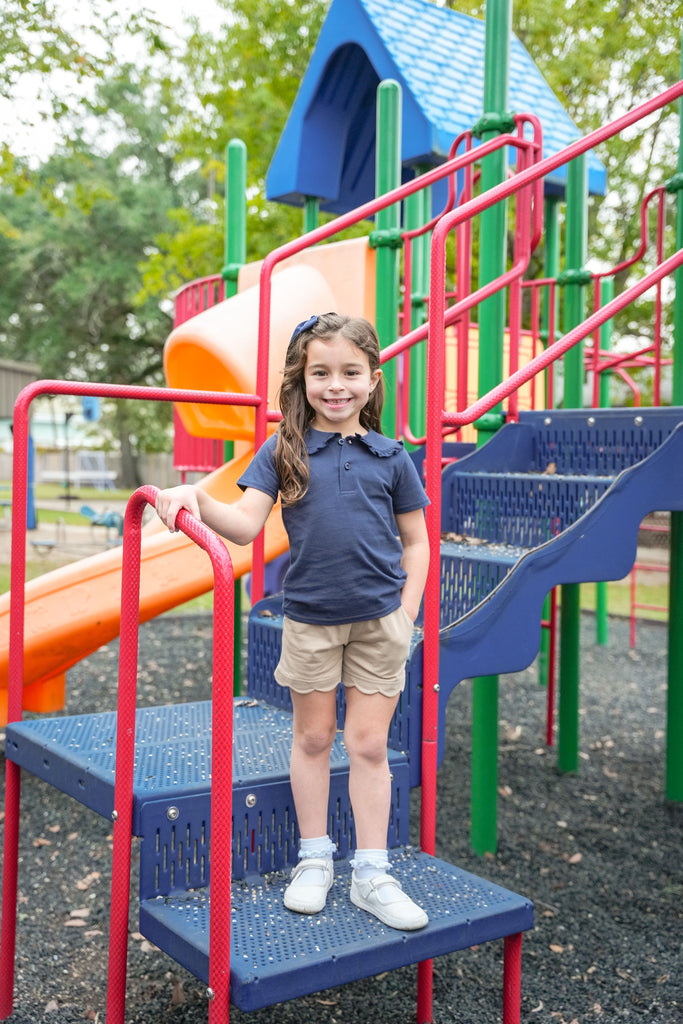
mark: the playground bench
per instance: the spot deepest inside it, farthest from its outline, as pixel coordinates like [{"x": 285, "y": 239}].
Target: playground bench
[{"x": 43, "y": 547}]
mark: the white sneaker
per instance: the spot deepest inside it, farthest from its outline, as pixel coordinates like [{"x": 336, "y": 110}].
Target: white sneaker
[
  {"x": 310, "y": 883},
  {"x": 383, "y": 896}
]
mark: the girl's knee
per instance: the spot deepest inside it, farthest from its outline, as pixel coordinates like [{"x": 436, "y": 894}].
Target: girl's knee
[
  {"x": 313, "y": 741},
  {"x": 366, "y": 744}
]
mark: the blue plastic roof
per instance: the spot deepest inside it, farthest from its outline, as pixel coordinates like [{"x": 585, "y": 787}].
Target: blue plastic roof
[{"x": 327, "y": 148}]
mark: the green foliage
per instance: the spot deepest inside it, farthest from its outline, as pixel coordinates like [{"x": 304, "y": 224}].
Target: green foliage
[
  {"x": 77, "y": 40},
  {"x": 189, "y": 250},
  {"x": 74, "y": 240},
  {"x": 246, "y": 77},
  {"x": 130, "y": 206},
  {"x": 600, "y": 59}
]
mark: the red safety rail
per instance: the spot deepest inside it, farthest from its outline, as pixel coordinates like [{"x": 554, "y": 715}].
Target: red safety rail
[
  {"x": 599, "y": 361},
  {"x": 528, "y": 225},
  {"x": 16, "y": 626},
  {"x": 196, "y": 454},
  {"x": 221, "y": 758},
  {"x": 646, "y": 567},
  {"x": 197, "y": 296}
]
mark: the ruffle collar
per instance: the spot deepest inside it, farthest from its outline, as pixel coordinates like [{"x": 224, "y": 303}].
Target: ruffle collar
[{"x": 378, "y": 444}]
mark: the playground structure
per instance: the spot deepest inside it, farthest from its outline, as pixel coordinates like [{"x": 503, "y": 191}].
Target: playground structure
[{"x": 482, "y": 614}]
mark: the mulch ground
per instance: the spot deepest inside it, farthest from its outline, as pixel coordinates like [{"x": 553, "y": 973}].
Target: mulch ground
[{"x": 598, "y": 852}]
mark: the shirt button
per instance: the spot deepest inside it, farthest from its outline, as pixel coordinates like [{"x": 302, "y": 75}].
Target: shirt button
[
  {"x": 340, "y": 440},
  {"x": 347, "y": 465}
]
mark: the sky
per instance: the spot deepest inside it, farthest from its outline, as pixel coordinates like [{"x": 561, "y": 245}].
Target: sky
[{"x": 37, "y": 141}]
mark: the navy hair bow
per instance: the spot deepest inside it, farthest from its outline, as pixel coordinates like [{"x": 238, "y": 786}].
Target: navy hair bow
[{"x": 305, "y": 325}]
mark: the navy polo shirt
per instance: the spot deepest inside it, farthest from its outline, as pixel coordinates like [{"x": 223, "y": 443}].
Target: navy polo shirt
[{"x": 345, "y": 550}]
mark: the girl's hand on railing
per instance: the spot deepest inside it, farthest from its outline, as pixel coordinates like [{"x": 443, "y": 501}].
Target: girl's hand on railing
[{"x": 170, "y": 501}]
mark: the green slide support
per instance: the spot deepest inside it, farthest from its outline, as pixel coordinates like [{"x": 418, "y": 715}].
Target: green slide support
[
  {"x": 493, "y": 226},
  {"x": 575, "y": 279},
  {"x": 235, "y": 257},
  {"x": 386, "y": 238}
]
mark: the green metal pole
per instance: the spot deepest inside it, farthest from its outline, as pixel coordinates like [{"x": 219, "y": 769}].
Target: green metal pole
[
  {"x": 575, "y": 277},
  {"x": 311, "y": 213},
  {"x": 235, "y": 214},
  {"x": 417, "y": 213},
  {"x": 575, "y": 302},
  {"x": 235, "y": 257},
  {"x": 492, "y": 256},
  {"x": 674, "y": 719},
  {"x": 551, "y": 268},
  {"x": 386, "y": 237},
  {"x": 601, "y": 609}
]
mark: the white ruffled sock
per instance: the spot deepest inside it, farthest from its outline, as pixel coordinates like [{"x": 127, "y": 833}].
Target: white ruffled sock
[
  {"x": 368, "y": 863},
  {"x": 321, "y": 847}
]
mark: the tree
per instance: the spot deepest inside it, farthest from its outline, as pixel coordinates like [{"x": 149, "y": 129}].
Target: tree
[
  {"x": 36, "y": 41},
  {"x": 244, "y": 77},
  {"x": 600, "y": 59},
  {"x": 70, "y": 298}
]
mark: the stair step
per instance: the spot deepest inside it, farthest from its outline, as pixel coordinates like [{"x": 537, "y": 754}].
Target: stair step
[
  {"x": 523, "y": 509},
  {"x": 277, "y": 955},
  {"x": 535, "y": 478},
  {"x": 172, "y": 781}
]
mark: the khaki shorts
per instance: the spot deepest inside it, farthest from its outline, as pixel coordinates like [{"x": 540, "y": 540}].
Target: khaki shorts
[{"x": 369, "y": 655}]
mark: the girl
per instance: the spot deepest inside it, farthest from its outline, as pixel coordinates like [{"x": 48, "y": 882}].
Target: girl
[{"x": 353, "y": 507}]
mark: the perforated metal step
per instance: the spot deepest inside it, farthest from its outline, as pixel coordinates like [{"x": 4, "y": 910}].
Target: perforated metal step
[
  {"x": 77, "y": 754},
  {"x": 535, "y": 478},
  {"x": 277, "y": 955}
]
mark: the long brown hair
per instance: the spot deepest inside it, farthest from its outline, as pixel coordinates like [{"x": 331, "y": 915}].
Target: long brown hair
[{"x": 291, "y": 456}]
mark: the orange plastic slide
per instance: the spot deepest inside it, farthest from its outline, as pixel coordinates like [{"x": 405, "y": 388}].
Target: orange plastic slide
[{"x": 74, "y": 610}]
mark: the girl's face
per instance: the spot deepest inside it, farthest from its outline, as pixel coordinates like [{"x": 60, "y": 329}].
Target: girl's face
[{"x": 338, "y": 383}]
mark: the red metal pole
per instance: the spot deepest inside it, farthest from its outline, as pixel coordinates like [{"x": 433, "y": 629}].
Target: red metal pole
[
  {"x": 122, "y": 815},
  {"x": 221, "y": 756},
  {"x": 425, "y": 987},
  {"x": 14, "y": 711},
  {"x": 512, "y": 979},
  {"x": 16, "y": 624}
]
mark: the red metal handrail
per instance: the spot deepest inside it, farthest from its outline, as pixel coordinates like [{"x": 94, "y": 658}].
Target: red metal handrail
[
  {"x": 221, "y": 758},
  {"x": 16, "y": 620},
  {"x": 196, "y": 296}
]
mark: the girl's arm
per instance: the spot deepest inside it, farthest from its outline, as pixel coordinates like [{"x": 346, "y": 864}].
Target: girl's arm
[
  {"x": 239, "y": 522},
  {"x": 412, "y": 530}
]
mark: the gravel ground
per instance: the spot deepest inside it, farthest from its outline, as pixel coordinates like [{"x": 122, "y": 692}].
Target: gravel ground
[{"x": 598, "y": 852}]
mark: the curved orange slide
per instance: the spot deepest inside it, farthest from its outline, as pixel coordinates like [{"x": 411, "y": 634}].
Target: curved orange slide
[{"x": 74, "y": 610}]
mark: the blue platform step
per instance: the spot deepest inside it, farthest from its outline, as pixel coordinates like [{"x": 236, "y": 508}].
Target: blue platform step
[
  {"x": 535, "y": 478},
  {"x": 502, "y": 633},
  {"x": 172, "y": 783},
  {"x": 277, "y": 955}
]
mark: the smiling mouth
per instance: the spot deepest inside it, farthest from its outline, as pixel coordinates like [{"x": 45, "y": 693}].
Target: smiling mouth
[{"x": 337, "y": 401}]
